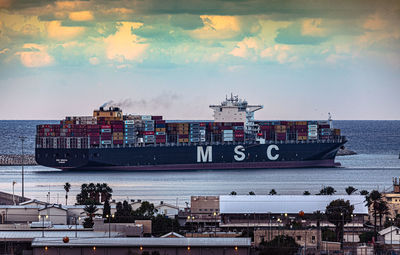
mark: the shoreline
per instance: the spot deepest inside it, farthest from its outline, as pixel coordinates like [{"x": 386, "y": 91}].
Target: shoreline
[{"x": 16, "y": 160}]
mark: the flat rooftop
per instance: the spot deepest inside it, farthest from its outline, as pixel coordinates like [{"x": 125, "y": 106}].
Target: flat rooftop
[
  {"x": 291, "y": 204},
  {"x": 142, "y": 241}
]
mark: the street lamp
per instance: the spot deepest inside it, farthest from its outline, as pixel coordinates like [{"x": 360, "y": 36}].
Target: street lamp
[
  {"x": 14, "y": 182},
  {"x": 191, "y": 218},
  {"x": 76, "y": 226},
  {"x": 22, "y": 138},
  {"x": 40, "y": 216},
  {"x": 109, "y": 224},
  {"x": 215, "y": 226}
]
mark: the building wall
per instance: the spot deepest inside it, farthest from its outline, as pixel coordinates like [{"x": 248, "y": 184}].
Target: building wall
[
  {"x": 167, "y": 210},
  {"x": 394, "y": 238},
  {"x": 55, "y": 215},
  {"x": 229, "y": 115},
  {"x": 393, "y": 202},
  {"x": 19, "y": 215},
  {"x": 301, "y": 236},
  {"x": 203, "y": 207}
]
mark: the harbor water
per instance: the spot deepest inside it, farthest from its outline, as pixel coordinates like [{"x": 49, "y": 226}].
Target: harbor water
[{"x": 376, "y": 142}]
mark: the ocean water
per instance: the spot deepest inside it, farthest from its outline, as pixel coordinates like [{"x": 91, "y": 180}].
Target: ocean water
[{"x": 376, "y": 142}]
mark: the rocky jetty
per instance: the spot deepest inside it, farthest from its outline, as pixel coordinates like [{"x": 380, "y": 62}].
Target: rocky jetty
[{"x": 16, "y": 160}]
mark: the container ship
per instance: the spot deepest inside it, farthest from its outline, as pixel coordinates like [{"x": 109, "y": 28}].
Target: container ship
[{"x": 110, "y": 140}]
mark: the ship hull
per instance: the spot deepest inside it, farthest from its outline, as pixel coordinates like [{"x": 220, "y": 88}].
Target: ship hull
[{"x": 193, "y": 157}]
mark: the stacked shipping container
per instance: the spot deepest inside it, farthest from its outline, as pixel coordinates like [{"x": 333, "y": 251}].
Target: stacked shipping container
[{"x": 119, "y": 130}]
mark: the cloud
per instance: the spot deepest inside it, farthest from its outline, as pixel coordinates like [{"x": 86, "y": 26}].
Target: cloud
[
  {"x": 3, "y": 51},
  {"x": 375, "y": 22},
  {"x": 81, "y": 16},
  {"x": 312, "y": 27},
  {"x": 5, "y": 3},
  {"x": 94, "y": 61},
  {"x": 243, "y": 48},
  {"x": 35, "y": 55},
  {"x": 124, "y": 45},
  {"x": 217, "y": 27},
  {"x": 279, "y": 53},
  {"x": 293, "y": 34},
  {"x": 60, "y": 33},
  {"x": 186, "y": 21}
]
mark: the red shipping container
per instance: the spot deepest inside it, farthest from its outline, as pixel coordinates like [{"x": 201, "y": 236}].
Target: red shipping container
[
  {"x": 239, "y": 135},
  {"x": 105, "y": 126},
  {"x": 160, "y": 121},
  {"x": 148, "y": 132},
  {"x": 156, "y": 117}
]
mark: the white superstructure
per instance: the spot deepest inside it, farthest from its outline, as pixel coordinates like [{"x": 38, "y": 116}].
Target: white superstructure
[{"x": 234, "y": 109}]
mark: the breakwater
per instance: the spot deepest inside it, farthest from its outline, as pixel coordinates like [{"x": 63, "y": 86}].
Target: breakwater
[{"x": 17, "y": 160}]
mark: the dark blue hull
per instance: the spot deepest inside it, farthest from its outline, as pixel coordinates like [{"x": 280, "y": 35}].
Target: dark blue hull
[{"x": 223, "y": 156}]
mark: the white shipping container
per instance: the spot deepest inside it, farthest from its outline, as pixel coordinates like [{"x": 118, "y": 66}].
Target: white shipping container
[
  {"x": 228, "y": 131},
  {"x": 312, "y": 126},
  {"x": 129, "y": 122},
  {"x": 146, "y": 117},
  {"x": 228, "y": 139}
]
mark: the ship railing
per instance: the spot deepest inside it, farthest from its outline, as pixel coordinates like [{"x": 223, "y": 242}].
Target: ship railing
[{"x": 54, "y": 142}]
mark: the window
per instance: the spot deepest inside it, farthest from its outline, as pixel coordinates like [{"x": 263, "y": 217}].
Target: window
[
  {"x": 313, "y": 238},
  {"x": 389, "y": 199},
  {"x": 298, "y": 238}
]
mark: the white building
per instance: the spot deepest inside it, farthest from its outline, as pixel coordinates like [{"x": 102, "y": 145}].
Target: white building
[
  {"x": 166, "y": 209},
  {"x": 390, "y": 235}
]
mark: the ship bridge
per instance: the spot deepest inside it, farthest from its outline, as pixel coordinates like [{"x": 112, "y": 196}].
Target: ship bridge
[{"x": 234, "y": 109}]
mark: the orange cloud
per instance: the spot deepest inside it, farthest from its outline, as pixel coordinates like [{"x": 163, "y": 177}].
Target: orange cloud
[
  {"x": 58, "y": 32},
  {"x": 81, "y": 16},
  {"x": 5, "y": 3},
  {"x": 242, "y": 48},
  {"x": 375, "y": 23},
  {"x": 71, "y": 5},
  {"x": 312, "y": 27},
  {"x": 37, "y": 57},
  {"x": 124, "y": 45},
  {"x": 217, "y": 27}
]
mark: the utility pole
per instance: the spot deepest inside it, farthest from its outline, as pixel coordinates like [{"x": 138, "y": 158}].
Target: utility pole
[{"x": 22, "y": 138}]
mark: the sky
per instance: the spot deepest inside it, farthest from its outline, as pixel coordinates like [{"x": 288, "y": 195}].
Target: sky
[{"x": 300, "y": 59}]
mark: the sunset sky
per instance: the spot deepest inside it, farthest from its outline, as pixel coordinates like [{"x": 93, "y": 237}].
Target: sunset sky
[{"x": 301, "y": 59}]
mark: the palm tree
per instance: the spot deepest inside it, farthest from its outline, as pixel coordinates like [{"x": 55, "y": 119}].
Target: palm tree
[
  {"x": 90, "y": 212},
  {"x": 91, "y": 188},
  {"x": 382, "y": 210},
  {"x": 252, "y": 193},
  {"x": 105, "y": 191},
  {"x": 318, "y": 216},
  {"x": 67, "y": 187},
  {"x": 373, "y": 200},
  {"x": 327, "y": 191},
  {"x": 233, "y": 193},
  {"x": 273, "y": 192},
  {"x": 350, "y": 190},
  {"x": 364, "y": 192}
]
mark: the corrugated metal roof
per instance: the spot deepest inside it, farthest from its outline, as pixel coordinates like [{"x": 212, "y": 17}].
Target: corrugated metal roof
[
  {"x": 54, "y": 234},
  {"x": 286, "y": 203},
  {"x": 131, "y": 242}
]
